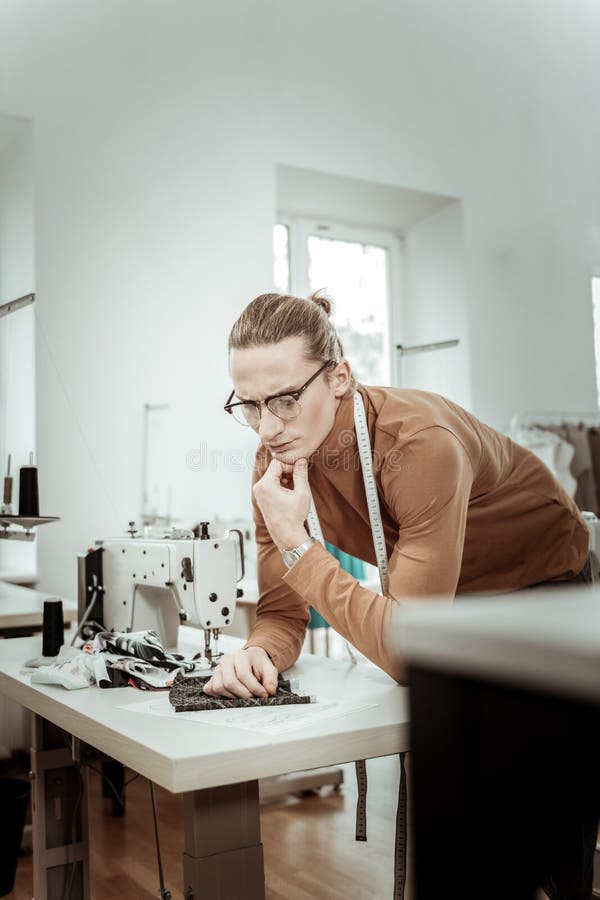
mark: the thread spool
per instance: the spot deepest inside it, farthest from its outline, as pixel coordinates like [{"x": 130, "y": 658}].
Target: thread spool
[
  {"x": 53, "y": 629},
  {"x": 29, "y": 500},
  {"x": 7, "y": 495}
]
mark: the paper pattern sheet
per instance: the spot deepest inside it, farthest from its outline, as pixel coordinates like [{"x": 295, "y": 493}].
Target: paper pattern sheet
[{"x": 266, "y": 719}]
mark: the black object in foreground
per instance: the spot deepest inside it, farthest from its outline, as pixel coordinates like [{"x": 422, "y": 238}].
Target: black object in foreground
[
  {"x": 14, "y": 800},
  {"x": 187, "y": 695}
]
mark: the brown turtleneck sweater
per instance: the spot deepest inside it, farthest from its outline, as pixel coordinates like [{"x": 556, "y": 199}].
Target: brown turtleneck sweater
[{"x": 464, "y": 510}]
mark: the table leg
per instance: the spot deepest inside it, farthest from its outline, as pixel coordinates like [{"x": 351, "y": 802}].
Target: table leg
[
  {"x": 59, "y": 817},
  {"x": 223, "y": 854}
]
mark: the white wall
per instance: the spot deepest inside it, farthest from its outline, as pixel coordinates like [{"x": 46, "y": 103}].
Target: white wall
[
  {"x": 353, "y": 201},
  {"x": 158, "y": 131},
  {"x": 17, "y": 331},
  {"x": 436, "y": 306}
]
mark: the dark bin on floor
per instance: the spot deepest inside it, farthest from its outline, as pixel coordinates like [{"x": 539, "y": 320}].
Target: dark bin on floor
[{"x": 14, "y": 799}]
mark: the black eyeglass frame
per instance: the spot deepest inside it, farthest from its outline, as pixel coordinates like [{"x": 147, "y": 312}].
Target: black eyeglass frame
[{"x": 229, "y": 406}]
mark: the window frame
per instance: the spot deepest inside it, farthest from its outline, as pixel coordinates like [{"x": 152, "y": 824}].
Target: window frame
[
  {"x": 595, "y": 291},
  {"x": 300, "y": 228}
]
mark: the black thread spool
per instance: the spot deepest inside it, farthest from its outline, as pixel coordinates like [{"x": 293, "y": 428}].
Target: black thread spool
[
  {"x": 53, "y": 630},
  {"x": 29, "y": 500}
]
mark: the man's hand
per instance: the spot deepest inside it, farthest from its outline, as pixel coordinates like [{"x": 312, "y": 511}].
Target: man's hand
[
  {"x": 283, "y": 496},
  {"x": 248, "y": 673}
]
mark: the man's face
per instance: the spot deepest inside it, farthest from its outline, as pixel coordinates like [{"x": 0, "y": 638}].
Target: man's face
[{"x": 261, "y": 372}]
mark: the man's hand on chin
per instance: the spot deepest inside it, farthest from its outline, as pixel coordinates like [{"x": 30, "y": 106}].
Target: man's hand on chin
[{"x": 283, "y": 497}]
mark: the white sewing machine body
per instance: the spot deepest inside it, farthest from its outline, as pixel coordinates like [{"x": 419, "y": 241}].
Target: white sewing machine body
[{"x": 137, "y": 583}]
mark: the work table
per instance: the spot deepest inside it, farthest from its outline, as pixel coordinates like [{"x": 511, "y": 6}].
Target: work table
[{"x": 547, "y": 639}]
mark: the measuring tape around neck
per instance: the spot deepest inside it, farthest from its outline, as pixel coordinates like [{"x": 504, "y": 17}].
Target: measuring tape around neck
[
  {"x": 314, "y": 526},
  {"x": 366, "y": 461}
]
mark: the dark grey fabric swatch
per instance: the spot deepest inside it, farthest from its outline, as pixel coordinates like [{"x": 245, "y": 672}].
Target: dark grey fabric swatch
[{"x": 187, "y": 695}]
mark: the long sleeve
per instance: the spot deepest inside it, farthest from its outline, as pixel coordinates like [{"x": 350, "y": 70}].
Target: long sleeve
[
  {"x": 426, "y": 485},
  {"x": 281, "y": 614}
]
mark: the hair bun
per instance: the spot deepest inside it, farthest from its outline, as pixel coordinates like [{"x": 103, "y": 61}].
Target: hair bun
[{"x": 324, "y": 302}]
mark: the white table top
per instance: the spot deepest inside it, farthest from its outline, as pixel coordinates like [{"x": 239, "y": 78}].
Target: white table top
[
  {"x": 21, "y": 606},
  {"x": 547, "y": 639},
  {"x": 18, "y": 576},
  {"x": 181, "y": 755}
]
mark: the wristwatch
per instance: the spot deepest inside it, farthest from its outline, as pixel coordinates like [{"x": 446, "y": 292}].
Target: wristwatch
[{"x": 292, "y": 556}]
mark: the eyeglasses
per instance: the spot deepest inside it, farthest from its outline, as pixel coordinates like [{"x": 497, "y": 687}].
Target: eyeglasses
[{"x": 284, "y": 406}]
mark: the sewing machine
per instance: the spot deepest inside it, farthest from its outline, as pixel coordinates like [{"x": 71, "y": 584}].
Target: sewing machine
[{"x": 145, "y": 582}]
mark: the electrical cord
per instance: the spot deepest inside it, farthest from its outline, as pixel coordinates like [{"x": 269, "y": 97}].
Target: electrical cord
[
  {"x": 85, "y": 762},
  {"x": 85, "y": 617},
  {"x": 71, "y": 877},
  {"x": 119, "y": 797},
  {"x": 66, "y": 895},
  {"x": 164, "y": 893}
]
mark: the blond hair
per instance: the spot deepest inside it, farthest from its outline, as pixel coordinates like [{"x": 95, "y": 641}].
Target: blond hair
[{"x": 271, "y": 318}]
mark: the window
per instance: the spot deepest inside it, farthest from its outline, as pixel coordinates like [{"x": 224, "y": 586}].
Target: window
[
  {"x": 357, "y": 268},
  {"x": 281, "y": 254},
  {"x": 596, "y": 308}
]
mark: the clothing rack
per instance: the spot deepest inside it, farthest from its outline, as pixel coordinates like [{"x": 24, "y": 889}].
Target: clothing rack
[
  {"x": 13, "y": 305},
  {"x": 579, "y": 474},
  {"x": 425, "y": 348},
  {"x": 529, "y": 419}
]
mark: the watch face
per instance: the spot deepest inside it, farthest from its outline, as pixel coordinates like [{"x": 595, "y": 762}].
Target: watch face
[
  {"x": 289, "y": 557},
  {"x": 292, "y": 556}
]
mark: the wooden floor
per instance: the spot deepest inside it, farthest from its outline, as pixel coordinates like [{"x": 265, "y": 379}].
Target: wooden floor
[{"x": 309, "y": 846}]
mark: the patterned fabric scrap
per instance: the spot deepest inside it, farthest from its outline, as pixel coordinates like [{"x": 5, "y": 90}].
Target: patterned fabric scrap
[
  {"x": 187, "y": 695},
  {"x": 143, "y": 645}
]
